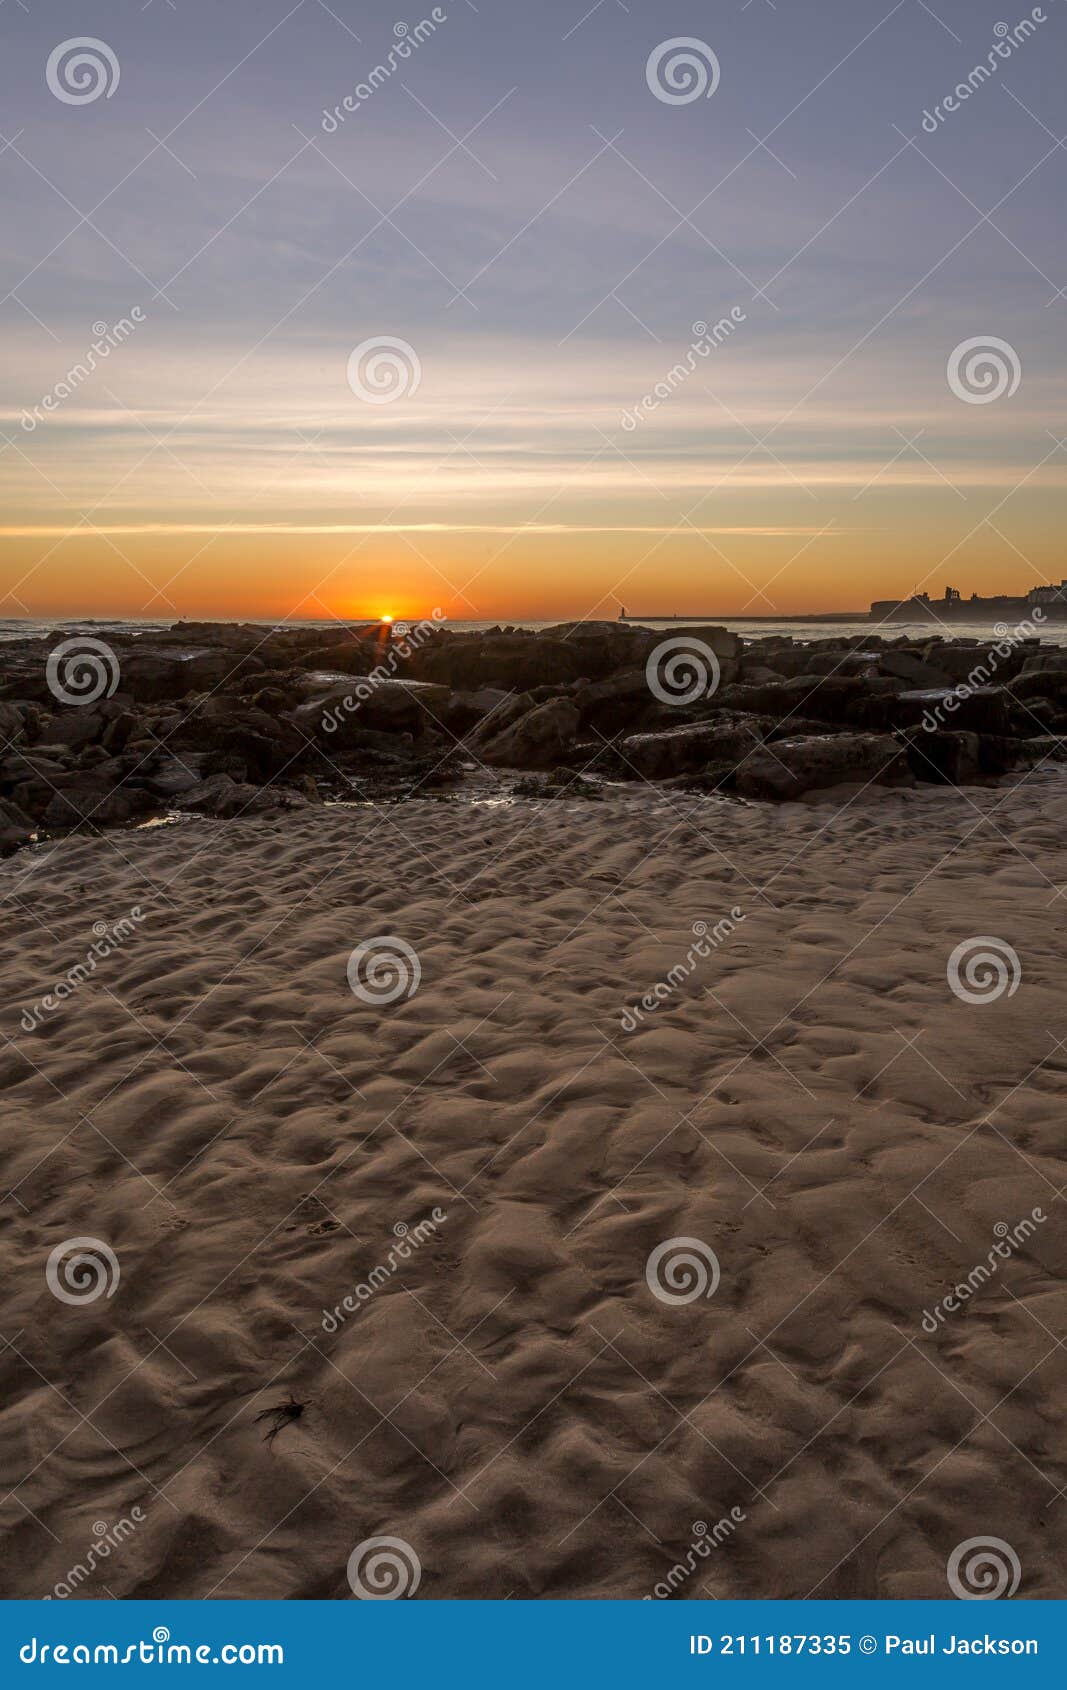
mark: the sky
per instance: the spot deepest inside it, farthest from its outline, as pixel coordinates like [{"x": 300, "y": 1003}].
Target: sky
[{"x": 554, "y": 316}]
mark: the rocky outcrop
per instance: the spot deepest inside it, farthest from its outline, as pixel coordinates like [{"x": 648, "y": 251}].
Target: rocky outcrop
[
  {"x": 16, "y": 828},
  {"x": 226, "y": 719},
  {"x": 696, "y": 748},
  {"x": 221, "y": 796},
  {"x": 792, "y": 767},
  {"x": 345, "y": 710},
  {"x": 915, "y": 670},
  {"x": 538, "y": 738}
]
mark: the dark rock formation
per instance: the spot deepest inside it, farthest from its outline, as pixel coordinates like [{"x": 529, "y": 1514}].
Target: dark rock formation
[
  {"x": 229, "y": 720},
  {"x": 795, "y": 766}
]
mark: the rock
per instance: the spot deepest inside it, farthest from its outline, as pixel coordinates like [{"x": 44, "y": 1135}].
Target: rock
[
  {"x": 20, "y": 766},
  {"x": 689, "y": 749},
  {"x": 236, "y": 636},
  {"x": 906, "y": 666},
  {"x": 1042, "y": 747},
  {"x": 795, "y": 766},
  {"x": 224, "y": 725},
  {"x": 502, "y": 717},
  {"x": 150, "y": 678},
  {"x": 538, "y": 738},
  {"x": 469, "y": 661},
  {"x": 620, "y": 701},
  {"x": 1043, "y": 662},
  {"x": 562, "y": 783},
  {"x": 350, "y": 657},
  {"x": 757, "y": 674},
  {"x": 98, "y": 797},
  {"x": 14, "y": 716},
  {"x": 220, "y": 796},
  {"x": 1040, "y": 683},
  {"x": 16, "y": 828},
  {"x": 983, "y": 710},
  {"x": 75, "y": 727},
  {"x": 722, "y": 641},
  {"x": 222, "y": 711},
  {"x": 838, "y": 699},
  {"x": 953, "y": 759},
  {"x": 175, "y": 776},
  {"x": 570, "y": 651},
  {"x": 117, "y": 733},
  {"x": 348, "y": 709},
  {"x": 461, "y": 711}
]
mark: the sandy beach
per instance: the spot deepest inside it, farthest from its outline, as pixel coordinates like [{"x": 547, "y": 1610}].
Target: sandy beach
[{"x": 523, "y": 1388}]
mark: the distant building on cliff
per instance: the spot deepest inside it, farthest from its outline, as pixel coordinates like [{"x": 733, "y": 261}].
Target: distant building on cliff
[{"x": 955, "y": 608}]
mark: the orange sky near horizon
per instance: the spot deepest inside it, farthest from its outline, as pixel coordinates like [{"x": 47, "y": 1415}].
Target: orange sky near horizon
[{"x": 474, "y": 575}]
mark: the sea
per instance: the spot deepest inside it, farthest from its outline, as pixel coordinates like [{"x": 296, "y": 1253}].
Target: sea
[{"x": 1052, "y": 633}]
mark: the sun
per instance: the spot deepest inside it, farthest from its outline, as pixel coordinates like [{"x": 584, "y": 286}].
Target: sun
[{"x": 387, "y": 618}]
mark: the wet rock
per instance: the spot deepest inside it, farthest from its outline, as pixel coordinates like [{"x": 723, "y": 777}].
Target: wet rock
[
  {"x": 347, "y": 710},
  {"x": 16, "y": 828},
  {"x": 538, "y": 738},
  {"x": 98, "y": 796},
  {"x": 618, "y": 702},
  {"x": 983, "y": 710},
  {"x": 690, "y": 749},
  {"x": 459, "y": 712},
  {"x": 264, "y": 744},
  {"x": 175, "y": 776},
  {"x": 1044, "y": 662},
  {"x": 75, "y": 727},
  {"x": 561, "y": 783},
  {"x": 467, "y": 662},
  {"x": 223, "y": 797},
  {"x": 504, "y": 716},
  {"x": 836, "y": 699},
  {"x": 15, "y": 716},
  {"x": 907, "y": 666},
  {"x": 758, "y": 674},
  {"x": 945, "y": 758},
  {"x": 795, "y": 766},
  {"x": 1044, "y": 682}
]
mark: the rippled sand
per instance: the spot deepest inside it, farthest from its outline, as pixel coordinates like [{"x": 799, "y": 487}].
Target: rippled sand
[{"x": 839, "y": 1133}]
